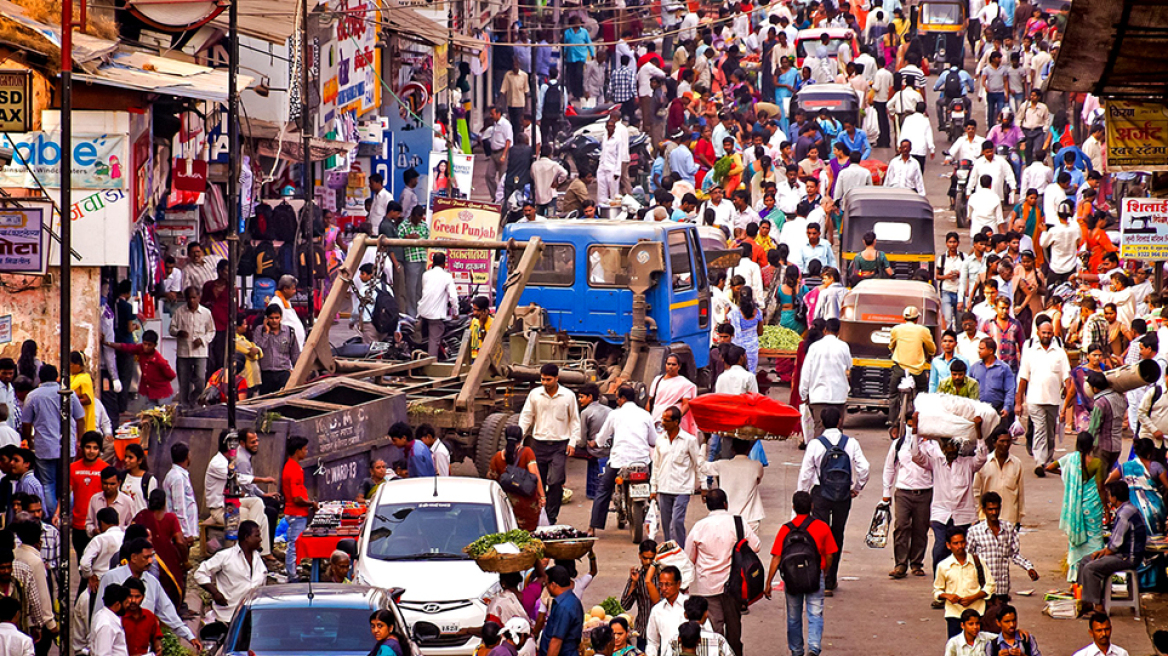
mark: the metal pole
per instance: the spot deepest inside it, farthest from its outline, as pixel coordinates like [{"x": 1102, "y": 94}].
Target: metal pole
[
  {"x": 64, "y": 494},
  {"x": 306, "y": 173},
  {"x": 451, "y": 133},
  {"x": 233, "y": 209}
]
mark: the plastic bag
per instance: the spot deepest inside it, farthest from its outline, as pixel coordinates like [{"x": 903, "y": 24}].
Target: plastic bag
[
  {"x": 668, "y": 553},
  {"x": 652, "y": 521},
  {"x": 808, "y": 423},
  {"x": 877, "y": 537},
  {"x": 871, "y": 124}
]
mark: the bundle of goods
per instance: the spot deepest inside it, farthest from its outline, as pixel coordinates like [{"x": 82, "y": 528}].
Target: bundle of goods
[
  {"x": 745, "y": 416},
  {"x": 948, "y": 416},
  {"x": 504, "y": 553},
  {"x": 337, "y": 518},
  {"x": 562, "y": 542}
]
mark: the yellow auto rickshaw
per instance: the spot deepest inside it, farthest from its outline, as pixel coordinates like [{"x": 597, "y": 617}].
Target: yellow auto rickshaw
[
  {"x": 901, "y": 220},
  {"x": 941, "y": 25}
]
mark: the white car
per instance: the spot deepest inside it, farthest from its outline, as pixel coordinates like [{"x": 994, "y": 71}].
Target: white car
[{"x": 413, "y": 539}]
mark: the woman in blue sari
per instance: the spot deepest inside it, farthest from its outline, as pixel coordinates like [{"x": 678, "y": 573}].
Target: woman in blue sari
[
  {"x": 1146, "y": 479},
  {"x": 1082, "y": 513},
  {"x": 785, "y": 88}
]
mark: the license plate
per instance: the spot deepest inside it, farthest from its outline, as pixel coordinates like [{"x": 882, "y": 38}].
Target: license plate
[
  {"x": 449, "y": 628},
  {"x": 958, "y": 114},
  {"x": 639, "y": 490}
]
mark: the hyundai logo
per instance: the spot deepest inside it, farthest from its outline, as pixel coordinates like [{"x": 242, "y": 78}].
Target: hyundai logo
[{"x": 431, "y": 608}]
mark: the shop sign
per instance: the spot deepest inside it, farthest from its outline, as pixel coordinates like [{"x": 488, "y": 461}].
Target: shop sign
[
  {"x": 466, "y": 220},
  {"x": 1137, "y": 136},
  {"x": 439, "y": 180},
  {"x": 1143, "y": 225},
  {"x": 22, "y": 248},
  {"x": 350, "y": 63},
  {"x": 6, "y": 329},
  {"x": 107, "y": 213},
  {"x": 15, "y": 101},
  {"x": 97, "y": 161}
]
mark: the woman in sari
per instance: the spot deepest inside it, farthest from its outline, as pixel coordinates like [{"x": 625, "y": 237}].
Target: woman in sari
[
  {"x": 1030, "y": 212},
  {"x": 1145, "y": 478},
  {"x": 514, "y": 453},
  {"x": 735, "y": 168},
  {"x": 838, "y": 163},
  {"x": 869, "y": 263},
  {"x": 785, "y": 87},
  {"x": 1095, "y": 239},
  {"x": 788, "y": 293},
  {"x": 1082, "y": 403},
  {"x": 1082, "y": 513},
  {"x": 170, "y": 546},
  {"x": 673, "y": 389}
]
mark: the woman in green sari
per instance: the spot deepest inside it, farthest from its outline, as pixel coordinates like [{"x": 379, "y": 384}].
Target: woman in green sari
[
  {"x": 791, "y": 290},
  {"x": 1082, "y": 514}
]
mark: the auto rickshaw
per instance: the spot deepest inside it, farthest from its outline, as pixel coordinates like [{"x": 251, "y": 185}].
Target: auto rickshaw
[
  {"x": 902, "y": 221},
  {"x": 869, "y": 313},
  {"x": 840, "y": 101},
  {"x": 940, "y": 25}
]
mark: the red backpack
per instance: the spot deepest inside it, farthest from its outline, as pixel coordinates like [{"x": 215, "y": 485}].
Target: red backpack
[{"x": 747, "y": 582}]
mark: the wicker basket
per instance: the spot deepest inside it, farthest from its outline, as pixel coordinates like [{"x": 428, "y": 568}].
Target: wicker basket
[
  {"x": 568, "y": 549},
  {"x": 499, "y": 563}
]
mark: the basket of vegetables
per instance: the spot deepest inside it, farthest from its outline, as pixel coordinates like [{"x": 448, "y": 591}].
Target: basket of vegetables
[
  {"x": 564, "y": 542},
  {"x": 504, "y": 553},
  {"x": 778, "y": 341}
]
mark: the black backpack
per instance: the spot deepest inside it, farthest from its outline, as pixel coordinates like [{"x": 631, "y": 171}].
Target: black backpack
[
  {"x": 267, "y": 261},
  {"x": 952, "y": 84},
  {"x": 385, "y": 310},
  {"x": 800, "y": 564},
  {"x": 747, "y": 582},
  {"x": 835, "y": 471},
  {"x": 553, "y": 100},
  {"x": 282, "y": 225}
]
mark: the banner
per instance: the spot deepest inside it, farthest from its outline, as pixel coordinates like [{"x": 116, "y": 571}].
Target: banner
[
  {"x": 464, "y": 219},
  {"x": 1143, "y": 224},
  {"x": 106, "y": 213},
  {"x": 15, "y": 101},
  {"x": 439, "y": 179},
  {"x": 22, "y": 240},
  {"x": 97, "y": 161},
  {"x": 1137, "y": 136}
]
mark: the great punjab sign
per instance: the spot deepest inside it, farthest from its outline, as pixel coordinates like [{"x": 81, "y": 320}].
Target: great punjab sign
[
  {"x": 1137, "y": 136},
  {"x": 15, "y": 101},
  {"x": 1144, "y": 227}
]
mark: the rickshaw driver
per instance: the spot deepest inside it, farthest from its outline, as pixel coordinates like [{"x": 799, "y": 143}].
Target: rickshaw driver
[
  {"x": 912, "y": 348},
  {"x": 953, "y": 83}
]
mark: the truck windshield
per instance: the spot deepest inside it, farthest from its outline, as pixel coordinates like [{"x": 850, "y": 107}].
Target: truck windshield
[
  {"x": 608, "y": 266},
  {"x": 303, "y": 630},
  {"x": 428, "y": 531}
]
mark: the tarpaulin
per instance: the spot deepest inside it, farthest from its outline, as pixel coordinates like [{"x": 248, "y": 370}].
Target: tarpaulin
[{"x": 728, "y": 413}]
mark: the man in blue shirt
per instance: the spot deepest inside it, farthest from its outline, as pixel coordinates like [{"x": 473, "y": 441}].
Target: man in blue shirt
[
  {"x": 565, "y": 620},
  {"x": 417, "y": 454},
  {"x": 994, "y": 378},
  {"x": 1124, "y": 551},
  {"x": 42, "y": 427},
  {"x": 681, "y": 159},
  {"x": 577, "y": 50},
  {"x": 854, "y": 139}
]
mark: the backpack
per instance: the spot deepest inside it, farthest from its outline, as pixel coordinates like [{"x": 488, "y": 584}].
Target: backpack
[
  {"x": 835, "y": 471},
  {"x": 998, "y": 25},
  {"x": 267, "y": 261},
  {"x": 553, "y": 101},
  {"x": 385, "y": 310},
  {"x": 747, "y": 582},
  {"x": 282, "y": 224},
  {"x": 800, "y": 564},
  {"x": 800, "y": 309},
  {"x": 953, "y": 85}
]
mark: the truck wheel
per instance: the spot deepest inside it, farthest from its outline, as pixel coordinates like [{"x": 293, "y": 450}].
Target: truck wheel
[
  {"x": 637, "y": 521},
  {"x": 491, "y": 440}
]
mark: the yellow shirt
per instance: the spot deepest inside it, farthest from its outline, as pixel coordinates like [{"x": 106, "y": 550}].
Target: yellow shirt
[
  {"x": 477, "y": 334},
  {"x": 82, "y": 384},
  {"x": 912, "y": 346},
  {"x": 251, "y": 364}
]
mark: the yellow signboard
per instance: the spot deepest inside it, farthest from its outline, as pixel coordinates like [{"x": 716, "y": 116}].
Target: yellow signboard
[
  {"x": 15, "y": 101},
  {"x": 441, "y": 71},
  {"x": 1137, "y": 136}
]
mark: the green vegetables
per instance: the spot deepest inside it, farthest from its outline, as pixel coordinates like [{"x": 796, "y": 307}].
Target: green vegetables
[
  {"x": 779, "y": 338},
  {"x": 521, "y": 539},
  {"x": 612, "y": 606},
  {"x": 722, "y": 169}
]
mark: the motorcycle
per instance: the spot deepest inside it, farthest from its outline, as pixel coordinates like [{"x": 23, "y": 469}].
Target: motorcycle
[
  {"x": 1011, "y": 155},
  {"x": 951, "y": 115},
  {"x": 632, "y": 499},
  {"x": 961, "y": 174}
]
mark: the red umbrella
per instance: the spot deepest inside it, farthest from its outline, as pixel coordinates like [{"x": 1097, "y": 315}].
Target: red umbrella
[{"x": 729, "y": 413}]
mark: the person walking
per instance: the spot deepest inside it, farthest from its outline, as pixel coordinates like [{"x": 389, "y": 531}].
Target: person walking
[
  {"x": 676, "y": 459},
  {"x": 996, "y": 543},
  {"x": 552, "y": 417},
  {"x": 911, "y": 345},
  {"x": 973, "y": 639},
  {"x": 953, "y": 503},
  {"x": 995, "y": 379},
  {"x": 710, "y": 547},
  {"x": 194, "y": 329},
  {"x": 810, "y": 537},
  {"x": 740, "y": 477},
  {"x": 577, "y": 50},
  {"x": 232, "y": 574},
  {"x": 415, "y": 258},
  {"x": 1002, "y": 475},
  {"x": 913, "y": 486},
  {"x": 962, "y": 582},
  {"x": 824, "y": 381},
  {"x": 297, "y": 503},
  {"x": 107, "y": 636},
  {"x": 1043, "y": 376},
  {"x": 1099, "y": 625},
  {"x": 834, "y": 472},
  {"x": 565, "y": 619},
  {"x": 41, "y": 428},
  {"x": 438, "y": 301},
  {"x": 502, "y": 137},
  {"x": 614, "y": 153},
  {"x": 526, "y": 507},
  {"x": 593, "y": 414},
  {"x": 515, "y": 89},
  {"x": 668, "y": 613},
  {"x": 630, "y": 435}
]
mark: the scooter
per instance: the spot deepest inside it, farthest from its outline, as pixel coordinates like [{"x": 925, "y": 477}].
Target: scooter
[
  {"x": 632, "y": 499},
  {"x": 956, "y": 111}
]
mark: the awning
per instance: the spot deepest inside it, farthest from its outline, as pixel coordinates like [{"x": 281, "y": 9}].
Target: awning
[
  {"x": 270, "y": 20},
  {"x": 268, "y": 138},
  {"x": 1114, "y": 49},
  {"x": 142, "y": 72},
  {"x": 410, "y": 24},
  {"x": 45, "y": 39}
]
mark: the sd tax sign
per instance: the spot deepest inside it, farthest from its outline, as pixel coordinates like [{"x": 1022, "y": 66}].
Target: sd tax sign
[{"x": 15, "y": 101}]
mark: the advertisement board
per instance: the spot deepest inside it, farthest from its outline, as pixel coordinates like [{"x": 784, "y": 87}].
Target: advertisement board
[
  {"x": 464, "y": 219},
  {"x": 99, "y": 161},
  {"x": 1137, "y": 136},
  {"x": 1143, "y": 226},
  {"x": 22, "y": 240}
]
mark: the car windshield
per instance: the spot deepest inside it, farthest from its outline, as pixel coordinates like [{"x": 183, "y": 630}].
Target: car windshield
[
  {"x": 809, "y": 47},
  {"x": 941, "y": 14},
  {"x": 428, "y": 531},
  {"x": 304, "y": 630}
]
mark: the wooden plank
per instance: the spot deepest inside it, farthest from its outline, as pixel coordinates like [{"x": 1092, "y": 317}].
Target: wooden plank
[{"x": 315, "y": 405}]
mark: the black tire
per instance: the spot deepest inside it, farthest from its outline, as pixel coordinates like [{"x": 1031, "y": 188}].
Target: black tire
[
  {"x": 490, "y": 439},
  {"x": 637, "y": 512},
  {"x": 954, "y": 131},
  {"x": 959, "y": 208}
]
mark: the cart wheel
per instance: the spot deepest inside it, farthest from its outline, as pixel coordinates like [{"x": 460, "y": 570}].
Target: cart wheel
[{"x": 491, "y": 440}]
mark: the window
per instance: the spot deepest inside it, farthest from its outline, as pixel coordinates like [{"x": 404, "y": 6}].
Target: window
[
  {"x": 556, "y": 266},
  {"x": 303, "y": 630},
  {"x": 701, "y": 269},
  {"x": 889, "y": 231},
  {"x": 680, "y": 263},
  {"x": 428, "y": 531},
  {"x": 808, "y": 47},
  {"x": 608, "y": 266},
  {"x": 941, "y": 14}
]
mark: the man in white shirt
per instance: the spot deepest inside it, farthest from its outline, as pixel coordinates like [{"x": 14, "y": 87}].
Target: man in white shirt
[
  {"x": 632, "y": 434},
  {"x": 1063, "y": 241},
  {"x": 645, "y": 76},
  {"x": 740, "y": 477},
  {"x": 814, "y": 249},
  {"x": 824, "y": 382},
  {"x": 381, "y": 199},
  {"x": 215, "y": 482},
  {"x": 985, "y": 208},
  {"x": 831, "y": 499},
  {"x": 743, "y": 215},
  {"x": 614, "y": 153},
  {"x": 904, "y": 171},
  {"x": 439, "y": 299},
  {"x": 999, "y": 170},
  {"x": 1099, "y": 626},
  {"x": 913, "y": 487},
  {"x": 794, "y": 230},
  {"x": 1037, "y": 175},
  {"x": 1054, "y": 195},
  {"x": 852, "y": 176},
  {"x": 231, "y": 574},
  {"x": 882, "y": 90},
  {"x": 723, "y": 210},
  {"x": 502, "y": 137},
  {"x": 107, "y": 637},
  {"x": 971, "y": 267},
  {"x": 1043, "y": 375},
  {"x": 676, "y": 458},
  {"x": 12, "y": 641},
  {"x": 751, "y": 273},
  {"x": 192, "y": 325},
  {"x": 551, "y": 416},
  {"x": 710, "y": 548},
  {"x": 917, "y": 130},
  {"x": 438, "y": 450},
  {"x": 668, "y": 614},
  {"x": 790, "y": 190}
]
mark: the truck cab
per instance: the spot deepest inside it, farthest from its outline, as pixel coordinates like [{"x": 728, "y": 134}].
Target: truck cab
[{"x": 586, "y": 286}]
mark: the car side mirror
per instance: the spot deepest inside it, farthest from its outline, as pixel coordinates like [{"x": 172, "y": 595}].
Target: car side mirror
[
  {"x": 424, "y": 631},
  {"x": 213, "y": 633}
]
